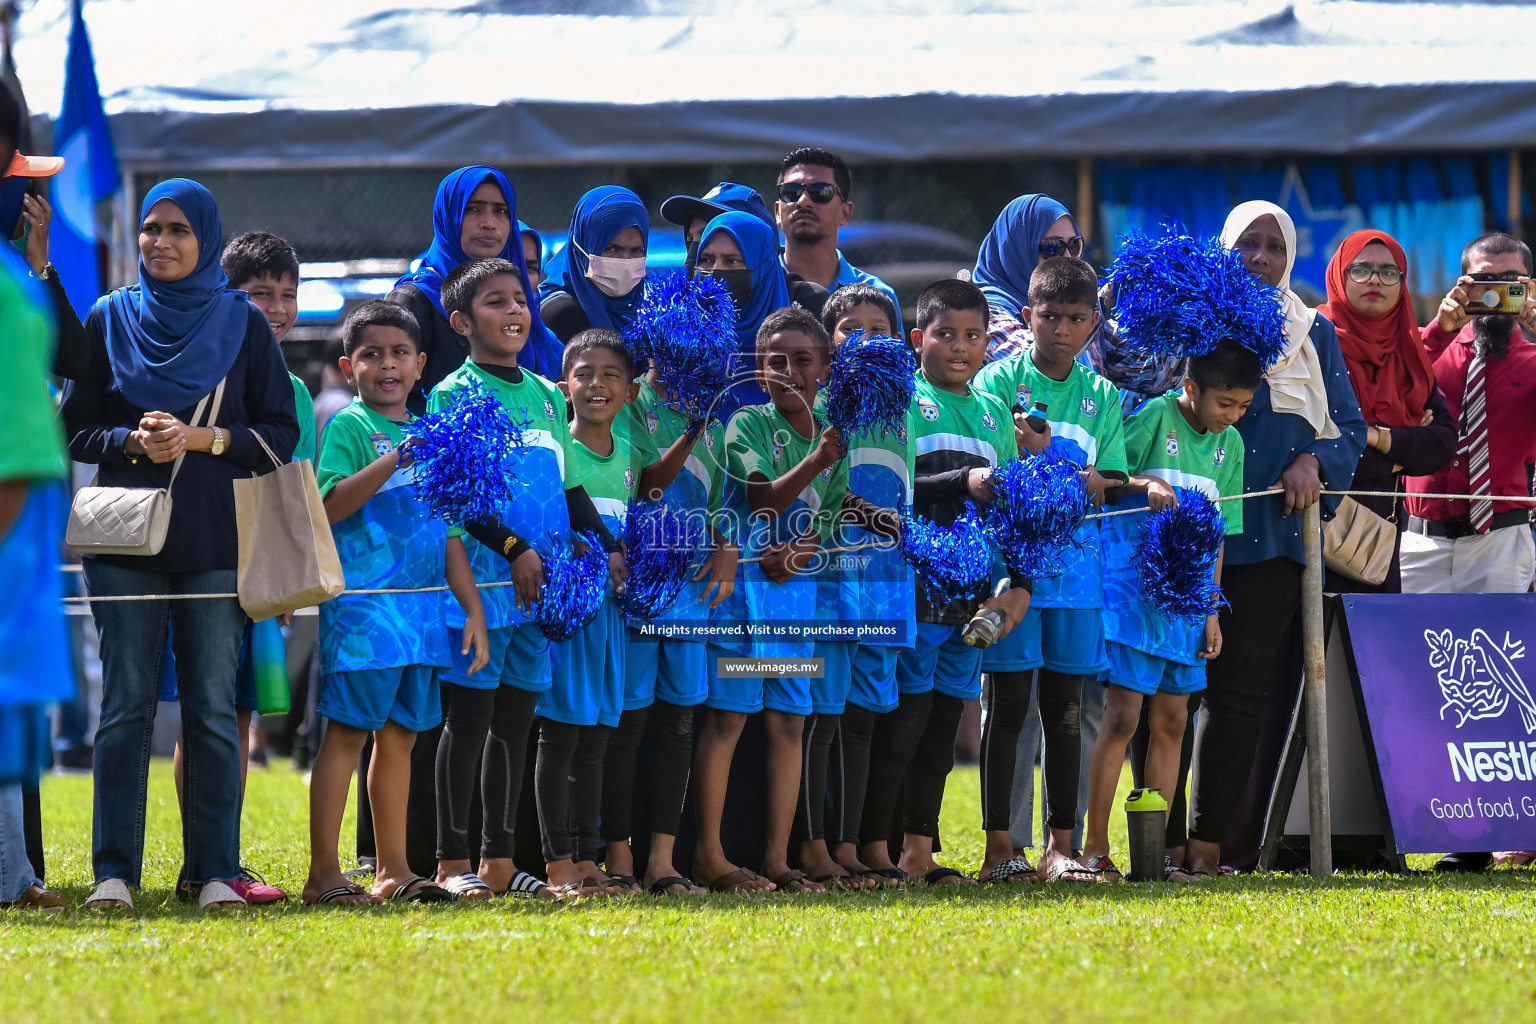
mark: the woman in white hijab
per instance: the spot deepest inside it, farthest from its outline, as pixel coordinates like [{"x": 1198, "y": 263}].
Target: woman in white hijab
[{"x": 1303, "y": 433}]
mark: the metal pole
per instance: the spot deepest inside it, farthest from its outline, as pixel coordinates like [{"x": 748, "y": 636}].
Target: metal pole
[{"x": 1319, "y": 817}]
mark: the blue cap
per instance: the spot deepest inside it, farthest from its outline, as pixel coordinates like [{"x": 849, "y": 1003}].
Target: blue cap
[{"x": 681, "y": 210}]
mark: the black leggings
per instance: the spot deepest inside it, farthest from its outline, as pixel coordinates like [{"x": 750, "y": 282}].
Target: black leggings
[
  {"x": 1265, "y": 600},
  {"x": 852, "y": 757},
  {"x": 815, "y": 753},
  {"x": 488, "y": 730},
  {"x": 892, "y": 746},
  {"x": 568, "y": 785},
  {"x": 1004, "y": 705},
  {"x": 1007, "y": 702},
  {"x": 619, "y": 776},
  {"x": 931, "y": 765},
  {"x": 671, "y": 765}
]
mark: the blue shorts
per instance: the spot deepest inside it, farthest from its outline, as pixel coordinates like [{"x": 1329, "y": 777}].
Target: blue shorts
[
  {"x": 873, "y": 683},
  {"x": 751, "y": 694},
  {"x": 1066, "y": 640},
  {"x": 659, "y": 668},
  {"x": 940, "y": 661},
  {"x": 519, "y": 657},
  {"x": 245, "y": 677},
  {"x": 829, "y": 694},
  {"x": 1150, "y": 673},
  {"x": 367, "y": 698},
  {"x": 587, "y": 672}
]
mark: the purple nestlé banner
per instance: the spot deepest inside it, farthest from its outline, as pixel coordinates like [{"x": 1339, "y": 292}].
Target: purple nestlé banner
[{"x": 1452, "y": 719}]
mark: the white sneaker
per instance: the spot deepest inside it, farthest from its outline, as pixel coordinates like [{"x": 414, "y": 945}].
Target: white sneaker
[
  {"x": 218, "y": 896},
  {"x": 111, "y": 894}
]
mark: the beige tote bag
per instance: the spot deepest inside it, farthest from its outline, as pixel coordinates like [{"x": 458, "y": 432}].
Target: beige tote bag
[
  {"x": 288, "y": 557},
  {"x": 1358, "y": 544}
]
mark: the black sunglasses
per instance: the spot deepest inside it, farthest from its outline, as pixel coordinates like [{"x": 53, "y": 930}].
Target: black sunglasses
[
  {"x": 1055, "y": 246},
  {"x": 821, "y": 191}
]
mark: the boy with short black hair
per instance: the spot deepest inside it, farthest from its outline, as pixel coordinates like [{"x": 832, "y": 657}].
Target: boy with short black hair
[
  {"x": 786, "y": 482},
  {"x": 960, "y": 435},
  {"x": 583, "y": 704},
  {"x": 1183, "y": 439},
  {"x": 1063, "y": 636},
  {"x": 492, "y": 711},
  {"x": 380, "y": 653},
  {"x": 866, "y": 586},
  {"x": 667, "y": 672},
  {"x": 266, "y": 268}
]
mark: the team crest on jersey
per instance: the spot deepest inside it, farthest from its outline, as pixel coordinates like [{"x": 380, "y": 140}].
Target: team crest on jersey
[
  {"x": 381, "y": 443},
  {"x": 1025, "y": 394},
  {"x": 928, "y": 409},
  {"x": 629, "y": 478},
  {"x": 652, "y": 421},
  {"x": 901, "y": 433},
  {"x": 988, "y": 421},
  {"x": 709, "y": 442},
  {"x": 1089, "y": 406},
  {"x": 1219, "y": 457},
  {"x": 549, "y": 410},
  {"x": 826, "y": 474},
  {"x": 778, "y": 451},
  {"x": 1171, "y": 443}
]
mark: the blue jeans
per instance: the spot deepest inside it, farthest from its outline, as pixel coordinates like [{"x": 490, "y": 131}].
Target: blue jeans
[
  {"x": 207, "y": 650},
  {"x": 16, "y": 874}
]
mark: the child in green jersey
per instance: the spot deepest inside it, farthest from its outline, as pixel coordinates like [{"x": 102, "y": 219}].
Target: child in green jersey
[{"x": 1182, "y": 439}]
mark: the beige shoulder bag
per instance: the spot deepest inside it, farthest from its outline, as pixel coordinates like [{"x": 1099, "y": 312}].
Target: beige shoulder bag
[
  {"x": 130, "y": 520},
  {"x": 1358, "y": 543}
]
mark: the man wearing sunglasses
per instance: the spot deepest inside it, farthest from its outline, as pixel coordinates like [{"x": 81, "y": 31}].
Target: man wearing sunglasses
[{"x": 813, "y": 203}]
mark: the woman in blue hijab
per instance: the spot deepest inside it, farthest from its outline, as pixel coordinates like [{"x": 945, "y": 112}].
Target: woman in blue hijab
[
  {"x": 160, "y": 347},
  {"x": 1032, "y": 228},
  {"x": 598, "y": 279},
  {"x": 474, "y": 217},
  {"x": 743, "y": 253}
]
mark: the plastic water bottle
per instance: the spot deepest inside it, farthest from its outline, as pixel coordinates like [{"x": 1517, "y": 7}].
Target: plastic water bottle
[
  {"x": 269, "y": 663},
  {"x": 1146, "y": 823},
  {"x": 985, "y": 626}
]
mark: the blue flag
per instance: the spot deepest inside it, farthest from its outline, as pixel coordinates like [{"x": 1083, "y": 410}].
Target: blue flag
[{"x": 89, "y": 176}]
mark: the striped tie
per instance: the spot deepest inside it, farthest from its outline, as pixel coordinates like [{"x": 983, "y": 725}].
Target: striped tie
[{"x": 1474, "y": 442}]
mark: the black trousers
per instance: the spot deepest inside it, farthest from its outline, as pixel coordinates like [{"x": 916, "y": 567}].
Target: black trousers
[
  {"x": 892, "y": 747},
  {"x": 568, "y": 783},
  {"x": 816, "y": 741},
  {"x": 851, "y": 754},
  {"x": 1005, "y": 701},
  {"x": 931, "y": 764},
  {"x": 1260, "y": 652},
  {"x": 484, "y": 740}
]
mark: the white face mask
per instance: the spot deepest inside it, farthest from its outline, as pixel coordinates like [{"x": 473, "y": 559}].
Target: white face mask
[{"x": 614, "y": 277}]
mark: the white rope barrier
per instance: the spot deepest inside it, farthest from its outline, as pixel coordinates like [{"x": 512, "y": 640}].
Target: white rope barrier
[{"x": 872, "y": 545}]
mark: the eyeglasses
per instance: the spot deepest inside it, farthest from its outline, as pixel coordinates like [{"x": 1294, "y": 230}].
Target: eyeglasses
[
  {"x": 821, "y": 191},
  {"x": 1054, "y": 246},
  {"x": 1360, "y": 273}
]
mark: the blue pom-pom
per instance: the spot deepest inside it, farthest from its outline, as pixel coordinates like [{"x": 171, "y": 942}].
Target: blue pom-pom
[
  {"x": 1041, "y": 502},
  {"x": 660, "y": 542},
  {"x": 574, "y": 586},
  {"x": 870, "y": 386},
  {"x": 1176, "y": 556},
  {"x": 467, "y": 458},
  {"x": 950, "y": 562},
  {"x": 688, "y": 326},
  {"x": 1178, "y": 295}
]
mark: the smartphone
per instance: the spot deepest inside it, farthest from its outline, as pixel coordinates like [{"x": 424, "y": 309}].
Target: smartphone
[
  {"x": 1494, "y": 295},
  {"x": 1034, "y": 417}
]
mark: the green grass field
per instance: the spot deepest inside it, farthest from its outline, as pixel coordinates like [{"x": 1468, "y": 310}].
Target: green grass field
[{"x": 1256, "y": 949}]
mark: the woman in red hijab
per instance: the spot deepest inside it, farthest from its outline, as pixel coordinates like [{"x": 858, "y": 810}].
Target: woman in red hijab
[{"x": 1410, "y": 430}]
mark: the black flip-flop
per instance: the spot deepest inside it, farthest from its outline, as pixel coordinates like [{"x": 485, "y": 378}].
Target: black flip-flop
[
  {"x": 333, "y": 895},
  {"x": 426, "y": 892},
  {"x": 937, "y": 875},
  {"x": 629, "y": 882},
  {"x": 661, "y": 885},
  {"x": 895, "y": 874}
]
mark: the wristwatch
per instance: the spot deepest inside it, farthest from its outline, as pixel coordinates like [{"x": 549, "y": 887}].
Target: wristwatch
[{"x": 217, "y": 448}]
